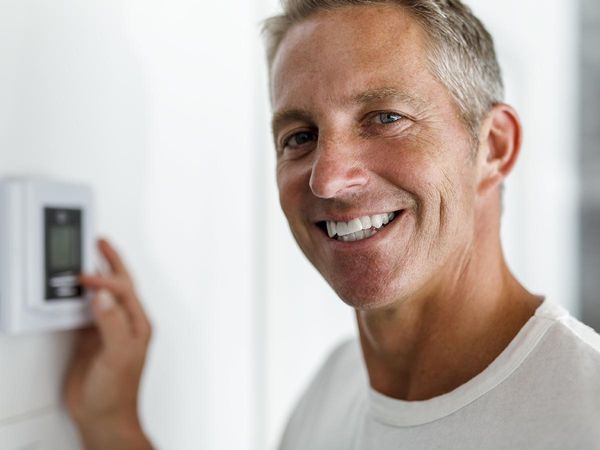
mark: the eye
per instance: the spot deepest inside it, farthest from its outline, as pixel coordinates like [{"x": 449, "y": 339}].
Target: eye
[
  {"x": 388, "y": 117},
  {"x": 299, "y": 139}
]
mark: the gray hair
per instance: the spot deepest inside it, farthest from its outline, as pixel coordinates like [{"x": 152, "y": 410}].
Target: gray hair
[{"x": 460, "y": 50}]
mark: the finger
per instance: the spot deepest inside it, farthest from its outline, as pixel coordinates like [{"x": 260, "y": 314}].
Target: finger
[
  {"x": 112, "y": 256},
  {"x": 118, "y": 286},
  {"x": 112, "y": 322},
  {"x": 125, "y": 294}
]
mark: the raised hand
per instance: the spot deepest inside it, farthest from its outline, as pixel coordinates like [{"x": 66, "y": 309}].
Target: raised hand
[{"x": 102, "y": 385}]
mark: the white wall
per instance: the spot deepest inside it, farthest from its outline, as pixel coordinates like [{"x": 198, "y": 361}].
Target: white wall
[{"x": 152, "y": 104}]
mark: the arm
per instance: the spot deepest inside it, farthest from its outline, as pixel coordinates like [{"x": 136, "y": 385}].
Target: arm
[{"x": 102, "y": 384}]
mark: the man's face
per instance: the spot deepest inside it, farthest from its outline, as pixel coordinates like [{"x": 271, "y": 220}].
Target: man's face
[{"x": 363, "y": 129}]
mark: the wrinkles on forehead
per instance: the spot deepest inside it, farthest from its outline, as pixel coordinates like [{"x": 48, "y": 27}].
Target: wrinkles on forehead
[
  {"x": 353, "y": 35},
  {"x": 335, "y": 48}
]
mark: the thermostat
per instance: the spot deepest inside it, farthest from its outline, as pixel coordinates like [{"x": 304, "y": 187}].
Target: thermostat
[{"x": 46, "y": 241}]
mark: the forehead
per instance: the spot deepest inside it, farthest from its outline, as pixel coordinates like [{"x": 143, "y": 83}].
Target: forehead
[{"x": 335, "y": 54}]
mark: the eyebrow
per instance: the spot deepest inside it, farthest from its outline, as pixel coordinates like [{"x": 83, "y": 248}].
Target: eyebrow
[
  {"x": 386, "y": 93},
  {"x": 372, "y": 95},
  {"x": 291, "y": 115}
]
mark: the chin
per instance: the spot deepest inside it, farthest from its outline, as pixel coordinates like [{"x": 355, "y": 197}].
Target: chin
[
  {"x": 363, "y": 283},
  {"x": 365, "y": 296}
]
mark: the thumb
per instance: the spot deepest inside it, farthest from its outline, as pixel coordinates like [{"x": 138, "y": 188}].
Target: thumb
[{"x": 112, "y": 321}]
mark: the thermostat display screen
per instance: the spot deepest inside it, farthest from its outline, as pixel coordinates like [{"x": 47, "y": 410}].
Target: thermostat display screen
[{"x": 63, "y": 253}]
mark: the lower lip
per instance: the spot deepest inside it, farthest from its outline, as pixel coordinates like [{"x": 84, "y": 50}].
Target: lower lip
[{"x": 356, "y": 245}]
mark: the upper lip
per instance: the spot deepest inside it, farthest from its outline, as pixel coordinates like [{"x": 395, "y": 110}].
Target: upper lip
[{"x": 347, "y": 217}]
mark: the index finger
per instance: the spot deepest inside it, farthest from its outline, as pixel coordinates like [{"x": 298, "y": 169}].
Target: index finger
[
  {"x": 125, "y": 296},
  {"x": 112, "y": 256}
]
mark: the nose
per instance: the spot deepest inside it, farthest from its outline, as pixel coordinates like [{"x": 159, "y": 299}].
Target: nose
[{"x": 336, "y": 171}]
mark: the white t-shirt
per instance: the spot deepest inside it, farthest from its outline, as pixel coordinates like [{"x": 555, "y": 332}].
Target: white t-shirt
[{"x": 541, "y": 392}]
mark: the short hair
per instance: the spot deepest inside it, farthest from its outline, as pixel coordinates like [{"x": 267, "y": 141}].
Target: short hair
[{"x": 461, "y": 52}]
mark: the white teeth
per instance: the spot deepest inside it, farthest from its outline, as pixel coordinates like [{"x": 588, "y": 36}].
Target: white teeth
[
  {"x": 341, "y": 228},
  {"x": 377, "y": 221},
  {"x": 366, "y": 222},
  {"x": 331, "y": 231},
  {"x": 359, "y": 235},
  {"x": 354, "y": 225},
  {"x": 360, "y": 228},
  {"x": 369, "y": 233}
]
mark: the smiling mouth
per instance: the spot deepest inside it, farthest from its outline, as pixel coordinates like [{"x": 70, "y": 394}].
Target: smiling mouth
[{"x": 358, "y": 229}]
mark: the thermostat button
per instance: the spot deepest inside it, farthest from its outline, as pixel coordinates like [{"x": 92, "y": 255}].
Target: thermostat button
[
  {"x": 65, "y": 291},
  {"x": 68, "y": 280}
]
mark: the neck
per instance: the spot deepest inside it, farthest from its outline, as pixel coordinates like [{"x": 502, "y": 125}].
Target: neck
[{"x": 424, "y": 347}]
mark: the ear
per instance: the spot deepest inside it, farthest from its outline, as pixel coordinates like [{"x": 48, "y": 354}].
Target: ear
[{"x": 500, "y": 143}]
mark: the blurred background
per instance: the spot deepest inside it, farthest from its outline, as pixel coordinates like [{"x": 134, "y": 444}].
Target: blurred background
[{"x": 162, "y": 108}]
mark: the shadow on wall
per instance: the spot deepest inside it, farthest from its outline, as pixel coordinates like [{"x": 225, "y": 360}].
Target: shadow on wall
[{"x": 590, "y": 162}]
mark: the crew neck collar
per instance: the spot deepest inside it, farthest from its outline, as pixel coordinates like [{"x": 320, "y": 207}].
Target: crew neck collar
[{"x": 402, "y": 413}]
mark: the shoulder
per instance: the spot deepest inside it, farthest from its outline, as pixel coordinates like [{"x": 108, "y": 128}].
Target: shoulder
[
  {"x": 577, "y": 347},
  {"x": 341, "y": 369},
  {"x": 568, "y": 355},
  {"x": 560, "y": 381},
  {"x": 583, "y": 334},
  {"x": 345, "y": 355},
  {"x": 569, "y": 336},
  {"x": 337, "y": 387}
]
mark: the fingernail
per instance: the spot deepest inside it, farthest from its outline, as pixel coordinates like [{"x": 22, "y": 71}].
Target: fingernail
[{"x": 105, "y": 300}]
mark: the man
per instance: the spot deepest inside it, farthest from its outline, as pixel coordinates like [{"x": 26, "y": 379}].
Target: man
[{"x": 392, "y": 145}]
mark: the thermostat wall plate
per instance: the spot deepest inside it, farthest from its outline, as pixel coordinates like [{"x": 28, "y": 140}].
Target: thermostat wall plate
[{"x": 46, "y": 241}]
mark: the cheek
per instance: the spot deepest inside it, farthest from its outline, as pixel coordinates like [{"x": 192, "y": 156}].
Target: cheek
[
  {"x": 411, "y": 157},
  {"x": 414, "y": 169},
  {"x": 437, "y": 177},
  {"x": 455, "y": 219},
  {"x": 292, "y": 184}
]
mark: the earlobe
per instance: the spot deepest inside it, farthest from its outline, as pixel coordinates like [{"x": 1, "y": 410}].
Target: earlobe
[{"x": 500, "y": 144}]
